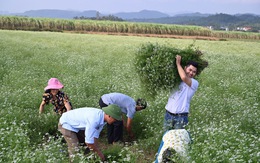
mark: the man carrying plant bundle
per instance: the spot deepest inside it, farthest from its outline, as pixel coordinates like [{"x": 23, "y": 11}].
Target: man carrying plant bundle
[
  {"x": 92, "y": 121},
  {"x": 177, "y": 108}
]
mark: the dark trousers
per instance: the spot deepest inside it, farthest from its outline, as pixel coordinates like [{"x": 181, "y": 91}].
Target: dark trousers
[
  {"x": 102, "y": 104},
  {"x": 115, "y": 132},
  {"x": 81, "y": 137}
]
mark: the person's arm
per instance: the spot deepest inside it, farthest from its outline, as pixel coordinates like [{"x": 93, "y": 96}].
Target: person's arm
[
  {"x": 123, "y": 119},
  {"x": 42, "y": 107},
  {"x": 95, "y": 148},
  {"x": 181, "y": 71},
  {"x": 129, "y": 127},
  {"x": 66, "y": 102},
  {"x": 67, "y": 105}
]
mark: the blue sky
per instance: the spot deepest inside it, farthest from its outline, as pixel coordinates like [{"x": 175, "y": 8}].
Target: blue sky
[{"x": 114, "y": 6}]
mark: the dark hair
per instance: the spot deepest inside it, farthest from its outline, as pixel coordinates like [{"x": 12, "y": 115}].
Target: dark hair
[
  {"x": 47, "y": 91},
  {"x": 193, "y": 63},
  {"x": 141, "y": 102}
]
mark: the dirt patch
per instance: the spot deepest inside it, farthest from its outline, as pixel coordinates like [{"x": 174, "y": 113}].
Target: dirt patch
[{"x": 149, "y": 35}]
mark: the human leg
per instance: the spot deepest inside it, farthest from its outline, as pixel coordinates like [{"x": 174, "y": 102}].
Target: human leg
[
  {"x": 110, "y": 133},
  {"x": 81, "y": 137},
  {"x": 118, "y": 131},
  {"x": 180, "y": 122},
  {"x": 168, "y": 122},
  {"x": 71, "y": 139}
]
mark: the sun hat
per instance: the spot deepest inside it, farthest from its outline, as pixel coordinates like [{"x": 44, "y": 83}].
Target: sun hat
[
  {"x": 114, "y": 111},
  {"x": 53, "y": 83}
]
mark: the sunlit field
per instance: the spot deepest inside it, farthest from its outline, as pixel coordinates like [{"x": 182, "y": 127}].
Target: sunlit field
[{"x": 224, "y": 120}]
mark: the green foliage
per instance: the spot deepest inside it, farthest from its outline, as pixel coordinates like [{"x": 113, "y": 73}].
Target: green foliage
[
  {"x": 224, "y": 119},
  {"x": 109, "y": 17},
  {"x": 80, "y": 25},
  {"x": 156, "y": 65},
  {"x": 171, "y": 156},
  {"x": 216, "y": 21}
]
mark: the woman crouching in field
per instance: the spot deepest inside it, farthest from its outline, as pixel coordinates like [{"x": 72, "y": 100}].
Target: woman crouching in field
[
  {"x": 58, "y": 98},
  {"x": 61, "y": 103}
]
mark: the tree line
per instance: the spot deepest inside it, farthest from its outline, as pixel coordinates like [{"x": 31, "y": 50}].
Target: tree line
[
  {"x": 218, "y": 21},
  {"x": 100, "y": 17}
]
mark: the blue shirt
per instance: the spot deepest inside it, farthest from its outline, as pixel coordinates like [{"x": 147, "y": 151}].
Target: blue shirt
[
  {"x": 89, "y": 119},
  {"x": 126, "y": 103}
]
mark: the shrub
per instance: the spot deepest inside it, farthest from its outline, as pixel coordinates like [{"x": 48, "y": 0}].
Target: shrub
[{"x": 156, "y": 66}]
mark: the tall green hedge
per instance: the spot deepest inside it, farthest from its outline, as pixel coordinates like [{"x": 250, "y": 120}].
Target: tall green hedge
[{"x": 156, "y": 65}]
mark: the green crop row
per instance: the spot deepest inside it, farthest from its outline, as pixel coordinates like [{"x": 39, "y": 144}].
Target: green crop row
[
  {"x": 60, "y": 25},
  {"x": 39, "y": 24}
]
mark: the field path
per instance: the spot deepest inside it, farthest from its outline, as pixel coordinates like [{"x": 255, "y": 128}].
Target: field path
[{"x": 150, "y": 35}]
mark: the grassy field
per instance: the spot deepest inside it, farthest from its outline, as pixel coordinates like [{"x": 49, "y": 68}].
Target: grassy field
[{"x": 224, "y": 119}]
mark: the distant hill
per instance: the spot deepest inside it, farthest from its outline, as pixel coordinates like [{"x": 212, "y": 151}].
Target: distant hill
[
  {"x": 66, "y": 14},
  {"x": 195, "y": 14},
  {"x": 144, "y": 14},
  {"x": 177, "y": 19},
  {"x": 217, "y": 21}
]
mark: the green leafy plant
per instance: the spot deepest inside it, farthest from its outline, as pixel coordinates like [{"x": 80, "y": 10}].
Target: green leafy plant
[{"x": 156, "y": 65}]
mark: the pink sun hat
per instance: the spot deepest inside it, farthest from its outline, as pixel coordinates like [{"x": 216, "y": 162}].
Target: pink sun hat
[{"x": 53, "y": 83}]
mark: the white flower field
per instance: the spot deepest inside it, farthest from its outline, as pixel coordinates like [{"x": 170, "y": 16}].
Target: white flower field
[{"x": 224, "y": 121}]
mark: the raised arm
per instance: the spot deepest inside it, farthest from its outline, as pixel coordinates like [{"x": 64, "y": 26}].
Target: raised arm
[{"x": 181, "y": 71}]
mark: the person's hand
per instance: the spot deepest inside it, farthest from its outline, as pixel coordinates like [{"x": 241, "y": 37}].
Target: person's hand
[{"x": 178, "y": 59}]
